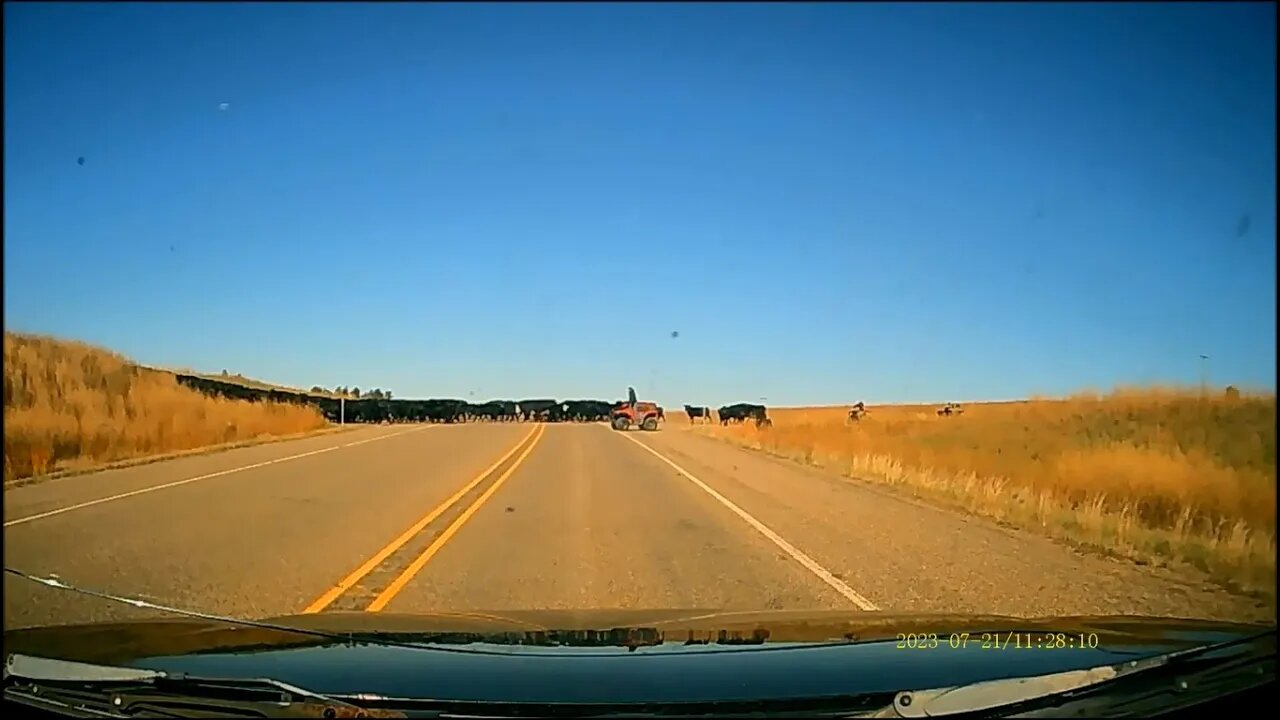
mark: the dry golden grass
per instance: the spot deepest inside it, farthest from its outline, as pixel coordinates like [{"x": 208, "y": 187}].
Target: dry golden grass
[
  {"x": 69, "y": 404},
  {"x": 1155, "y": 474}
]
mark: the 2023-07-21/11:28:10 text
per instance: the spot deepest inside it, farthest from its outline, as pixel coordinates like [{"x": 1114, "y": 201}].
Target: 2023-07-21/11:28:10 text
[{"x": 998, "y": 641}]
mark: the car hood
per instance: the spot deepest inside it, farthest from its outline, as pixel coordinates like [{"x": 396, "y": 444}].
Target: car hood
[{"x": 664, "y": 655}]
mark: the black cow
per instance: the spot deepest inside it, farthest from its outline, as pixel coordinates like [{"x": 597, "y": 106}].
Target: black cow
[
  {"x": 357, "y": 411},
  {"x": 701, "y": 411},
  {"x": 506, "y": 410},
  {"x": 600, "y": 411},
  {"x": 377, "y": 411},
  {"x": 744, "y": 411},
  {"x": 490, "y": 411},
  {"x": 585, "y": 410},
  {"x": 410, "y": 410},
  {"x": 329, "y": 408},
  {"x": 539, "y": 410},
  {"x": 573, "y": 410},
  {"x": 444, "y": 411}
]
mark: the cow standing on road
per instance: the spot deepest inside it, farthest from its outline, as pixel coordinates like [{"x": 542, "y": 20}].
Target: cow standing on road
[
  {"x": 537, "y": 410},
  {"x": 586, "y": 410}
]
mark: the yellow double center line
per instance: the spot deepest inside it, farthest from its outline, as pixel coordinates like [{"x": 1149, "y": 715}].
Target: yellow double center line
[{"x": 527, "y": 442}]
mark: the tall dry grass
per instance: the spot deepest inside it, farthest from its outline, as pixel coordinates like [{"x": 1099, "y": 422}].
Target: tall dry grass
[
  {"x": 1155, "y": 474},
  {"x": 68, "y": 404}
]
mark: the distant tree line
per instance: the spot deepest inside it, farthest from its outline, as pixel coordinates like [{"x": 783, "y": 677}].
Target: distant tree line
[{"x": 353, "y": 393}]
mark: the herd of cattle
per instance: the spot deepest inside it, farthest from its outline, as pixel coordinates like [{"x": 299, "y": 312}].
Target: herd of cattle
[
  {"x": 453, "y": 411},
  {"x": 743, "y": 411},
  {"x": 738, "y": 413},
  {"x": 373, "y": 410}
]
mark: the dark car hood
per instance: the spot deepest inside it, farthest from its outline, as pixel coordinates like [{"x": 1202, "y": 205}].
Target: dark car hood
[{"x": 580, "y": 656}]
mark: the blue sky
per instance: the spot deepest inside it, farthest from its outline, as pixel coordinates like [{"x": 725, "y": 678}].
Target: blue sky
[{"x": 906, "y": 202}]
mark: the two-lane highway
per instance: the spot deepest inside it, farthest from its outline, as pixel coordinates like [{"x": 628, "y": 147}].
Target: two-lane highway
[
  {"x": 594, "y": 521},
  {"x": 504, "y": 516}
]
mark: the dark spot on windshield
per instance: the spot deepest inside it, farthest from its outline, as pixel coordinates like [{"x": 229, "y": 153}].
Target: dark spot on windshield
[{"x": 1242, "y": 225}]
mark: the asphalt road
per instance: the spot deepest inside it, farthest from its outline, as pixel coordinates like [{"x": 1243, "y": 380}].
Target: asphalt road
[{"x": 516, "y": 516}]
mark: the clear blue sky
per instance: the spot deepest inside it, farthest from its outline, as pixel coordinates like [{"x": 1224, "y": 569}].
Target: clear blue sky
[{"x": 909, "y": 202}]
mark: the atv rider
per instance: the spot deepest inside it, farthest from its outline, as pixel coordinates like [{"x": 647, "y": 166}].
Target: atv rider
[{"x": 631, "y": 399}]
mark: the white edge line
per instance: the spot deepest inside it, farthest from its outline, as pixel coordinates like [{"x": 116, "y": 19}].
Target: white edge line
[
  {"x": 812, "y": 566},
  {"x": 176, "y": 483}
]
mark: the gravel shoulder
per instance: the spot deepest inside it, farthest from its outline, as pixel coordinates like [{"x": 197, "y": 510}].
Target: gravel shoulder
[{"x": 909, "y": 556}]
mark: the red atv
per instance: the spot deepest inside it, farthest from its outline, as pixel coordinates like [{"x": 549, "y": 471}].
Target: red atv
[{"x": 641, "y": 414}]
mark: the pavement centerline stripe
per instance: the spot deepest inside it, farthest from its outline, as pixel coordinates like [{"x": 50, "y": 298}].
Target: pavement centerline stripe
[
  {"x": 398, "y": 584},
  {"x": 368, "y": 566},
  {"x": 220, "y": 473},
  {"x": 796, "y": 554}
]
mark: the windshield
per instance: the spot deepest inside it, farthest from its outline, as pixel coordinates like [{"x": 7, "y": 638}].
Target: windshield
[{"x": 412, "y": 309}]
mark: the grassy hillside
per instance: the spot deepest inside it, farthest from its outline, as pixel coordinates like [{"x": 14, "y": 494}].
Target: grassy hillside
[
  {"x": 1154, "y": 474},
  {"x": 68, "y": 404}
]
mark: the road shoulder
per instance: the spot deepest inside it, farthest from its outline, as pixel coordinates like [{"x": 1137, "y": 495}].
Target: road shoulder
[
  {"x": 916, "y": 556},
  {"x": 28, "y": 500},
  {"x": 162, "y": 457}
]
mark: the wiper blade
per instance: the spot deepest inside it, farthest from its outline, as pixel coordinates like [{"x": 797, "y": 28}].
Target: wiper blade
[{"x": 75, "y": 689}]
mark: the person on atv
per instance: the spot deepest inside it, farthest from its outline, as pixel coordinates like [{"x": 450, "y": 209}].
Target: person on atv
[{"x": 631, "y": 398}]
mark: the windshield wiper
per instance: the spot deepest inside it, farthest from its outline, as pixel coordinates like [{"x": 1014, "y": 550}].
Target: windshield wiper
[{"x": 76, "y": 689}]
